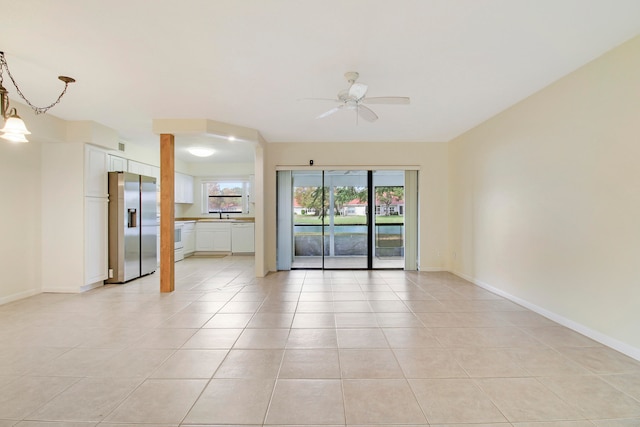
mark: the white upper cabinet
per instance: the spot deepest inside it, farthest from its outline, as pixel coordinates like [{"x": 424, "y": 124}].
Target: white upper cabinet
[
  {"x": 183, "y": 188},
  {"x": 117, "y": 164},
  {"x": 96, "y": 166}
]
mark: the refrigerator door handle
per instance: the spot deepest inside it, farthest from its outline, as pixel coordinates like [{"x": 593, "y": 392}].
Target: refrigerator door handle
[{"x": 132, "y": 218}]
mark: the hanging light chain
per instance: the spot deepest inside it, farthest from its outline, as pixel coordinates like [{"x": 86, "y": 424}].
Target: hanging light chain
[{"x": 38, "y": 110}]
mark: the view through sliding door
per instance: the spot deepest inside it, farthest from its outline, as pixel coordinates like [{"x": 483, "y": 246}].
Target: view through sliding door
[{"x": 326, "y": 219}]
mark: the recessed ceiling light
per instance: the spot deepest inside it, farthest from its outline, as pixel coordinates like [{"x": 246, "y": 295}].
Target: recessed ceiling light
[{"x": 200, "y": 151}]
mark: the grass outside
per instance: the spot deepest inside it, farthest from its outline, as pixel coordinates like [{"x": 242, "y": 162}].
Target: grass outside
[{"x": 347, "y": 220}]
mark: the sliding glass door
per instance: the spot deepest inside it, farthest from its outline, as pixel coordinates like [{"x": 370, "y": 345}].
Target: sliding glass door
[{"x": 326, "y": 219}]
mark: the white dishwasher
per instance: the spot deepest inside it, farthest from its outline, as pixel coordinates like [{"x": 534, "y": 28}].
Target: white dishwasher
[{"x": 242, "y": 237}]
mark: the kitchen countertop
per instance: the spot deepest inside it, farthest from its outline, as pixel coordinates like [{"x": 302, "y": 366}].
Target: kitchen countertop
[{"x": 209, "y": 219}]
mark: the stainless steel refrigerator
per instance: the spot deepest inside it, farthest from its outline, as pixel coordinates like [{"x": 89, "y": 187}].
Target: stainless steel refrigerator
[{"x": 132, "y": 226}]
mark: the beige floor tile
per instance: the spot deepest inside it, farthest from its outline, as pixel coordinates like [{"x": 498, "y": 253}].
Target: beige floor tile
[
  {"x": 630, "y": 422},
  {"x": 559, "y": 336},
  {"x": 454, "y": 401},
  {"x": 271, "y": 320},
  {"x": 426, "y": 306},
  {"x": 232, "y": 401},
  {"x": 352, "y": 307},
  {"x": 389, "y": 307},
  {"x": 164, "y": 338},
  {"x": 398, "y": 320},
  {"x": 21, "y": 360},
  {"x": 90, "y": 399},
  {"x": 312, "y": 338},
  {"x": 512, "y": 337},
  {"x": 77, "y": 362},
  {"x": 310, "y": 363},
  {"x": 190, "y": 364},
  {"x": 250, "y": 364},
  {"x": 315, "y": 307},
  {"x": 429, "y": 363},
  {"x": 262, "y": 339},
  {"x": 602, "y": 360},
  {"x": 369, "y": 363},
  {"x": 240, "y": 307},
  {"x": 478, "y": 425},
  {"x": 184, "y": 320},
  {"x": 314, "y": 320},
  {"x": 306, "y": 402},
  {"x": 278, "y": 307},
  {"x": 459, "y": 337},
  {"x": 526, "y": 399},
  {"x": 117, "y": 338},
  {"x": 229, "y": 321},
  {"x": 158, "y": 401},
  {"x": 629, "y": 383},
  {"x": 411, "y": 338},
  {"x": 356, "y": 320},
  {"x": 355, "y": 295},
  {"x": 134, "y": 363},
  {"x": 596, "y": 398},
  {"x": 381, "y": 402},
  {"x": 20, "y": 398},
  {"x": 213, "y": 339},
  {"x": 361, "y": 338},
  {"x": 527, "y": 319},
  {"x": 56, "y": 350},
  {"x": 556, "y": 424},
  {"x": 384, "y": 294},
  {"x": 211, "y": 307},
  {"x": 545, "y": 361},
  {"x": 49, "y": 424}
]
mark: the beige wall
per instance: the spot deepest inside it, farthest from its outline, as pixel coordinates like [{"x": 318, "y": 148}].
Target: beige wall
[
  {"x": 20, "y": 213},
  {"x": 430, "y": 157},
  {"x": 545, "y": 200}
]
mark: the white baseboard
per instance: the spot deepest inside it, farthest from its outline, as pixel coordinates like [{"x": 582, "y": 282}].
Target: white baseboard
[
  {"x": 604, "y": 339},
  {"x": 19, "y": 295}
]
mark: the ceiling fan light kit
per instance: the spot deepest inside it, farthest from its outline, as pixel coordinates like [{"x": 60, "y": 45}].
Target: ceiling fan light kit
[{"x": 354, "y": 96}]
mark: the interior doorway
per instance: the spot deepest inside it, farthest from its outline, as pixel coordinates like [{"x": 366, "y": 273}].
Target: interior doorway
[{"x": 341, "y": 219}]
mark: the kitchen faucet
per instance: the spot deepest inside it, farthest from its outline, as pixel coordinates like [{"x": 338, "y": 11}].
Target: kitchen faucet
[{"x": 220, "y": 212}]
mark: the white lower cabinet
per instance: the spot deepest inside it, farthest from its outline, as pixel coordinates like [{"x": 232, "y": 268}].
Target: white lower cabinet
[
  {"x": 213, "y": 237},
  {"x": 96, "y": 239},
  {"x": 242, "y": 238},
  {"x": 189, "y": 237}
]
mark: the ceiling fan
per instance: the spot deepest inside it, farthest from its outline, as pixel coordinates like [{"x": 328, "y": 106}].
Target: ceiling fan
[{"x": 354, "y": 97}]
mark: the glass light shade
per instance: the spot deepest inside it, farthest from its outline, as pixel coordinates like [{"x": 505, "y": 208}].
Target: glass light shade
[
  {"x": 201, "y": 151},
  {"x": 14, "y": 137},
  {"x": 14, "y": 125}
]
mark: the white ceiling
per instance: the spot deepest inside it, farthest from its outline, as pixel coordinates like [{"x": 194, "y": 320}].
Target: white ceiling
[{"x": 249, "y": 62}]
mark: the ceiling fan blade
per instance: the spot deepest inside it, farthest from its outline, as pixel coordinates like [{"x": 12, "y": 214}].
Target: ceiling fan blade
[
  {"x": 399, "y": 100},
  {"x": 367, "y": 113},
  {"x": 357, "y": 91},
  {"x": 330, "y": 112},
  {"x": 319, "y": 99}
]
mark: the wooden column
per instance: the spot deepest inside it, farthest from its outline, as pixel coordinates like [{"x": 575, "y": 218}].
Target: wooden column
[{"x": 167, "y": 213}]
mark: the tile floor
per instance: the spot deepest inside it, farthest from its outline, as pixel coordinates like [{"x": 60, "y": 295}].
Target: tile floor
[{"x": 340, "y": 348}]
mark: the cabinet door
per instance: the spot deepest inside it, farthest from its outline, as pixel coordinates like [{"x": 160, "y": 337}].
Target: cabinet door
[
  {"x": 95, "y": 172},
  {"x": 204, "y": 240},
  {"x": 222, "y": 240},
  {"x": 117, "y": 164},
  {"x": 189, "y": 238},
  {"x": 188, "y": 188},
  {"x": 242, "y": 238},
  {"x": 96, "y": 239}
]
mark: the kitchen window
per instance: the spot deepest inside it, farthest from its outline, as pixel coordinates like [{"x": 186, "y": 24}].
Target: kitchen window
[{"x": 225, "y": 196}]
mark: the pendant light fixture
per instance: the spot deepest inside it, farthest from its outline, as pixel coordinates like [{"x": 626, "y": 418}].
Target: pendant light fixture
[{"x": 14, "y": 129}]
